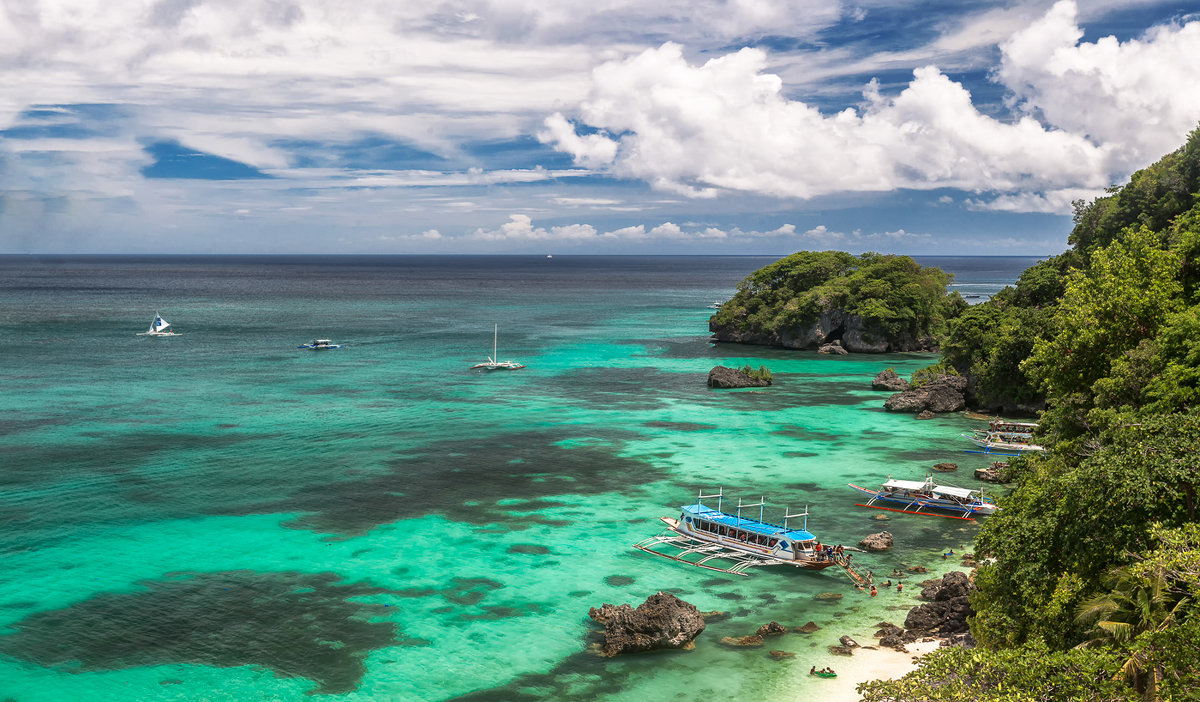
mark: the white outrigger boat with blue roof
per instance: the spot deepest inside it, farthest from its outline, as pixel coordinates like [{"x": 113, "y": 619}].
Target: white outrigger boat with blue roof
[{"x": 702, "y": 534}]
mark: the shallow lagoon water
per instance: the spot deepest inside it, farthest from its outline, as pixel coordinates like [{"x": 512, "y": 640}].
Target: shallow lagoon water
[{"x": 220, "y": 515}]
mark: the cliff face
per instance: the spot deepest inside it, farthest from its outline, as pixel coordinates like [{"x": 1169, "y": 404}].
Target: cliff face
[{"x": 858, "y": 335}]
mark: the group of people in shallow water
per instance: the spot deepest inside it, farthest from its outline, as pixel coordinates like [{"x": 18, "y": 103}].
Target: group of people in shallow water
[{"x": 824, "y": 671}]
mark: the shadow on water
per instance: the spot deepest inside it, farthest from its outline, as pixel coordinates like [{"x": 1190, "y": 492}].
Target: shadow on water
[{"x": 296, "y": 624}]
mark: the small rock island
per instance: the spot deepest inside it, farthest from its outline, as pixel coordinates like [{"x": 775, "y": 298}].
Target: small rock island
[{"x": 872, "y": 303}]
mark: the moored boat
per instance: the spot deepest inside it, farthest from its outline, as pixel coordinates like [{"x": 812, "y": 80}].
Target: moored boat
[
  {"x": 993, "y": 441},
  {"x": 492, "y": 364},
  {"x": 319, "y": 345},
  {"x": 710, "y": 533},
  {"x": 918, "y": 497}
]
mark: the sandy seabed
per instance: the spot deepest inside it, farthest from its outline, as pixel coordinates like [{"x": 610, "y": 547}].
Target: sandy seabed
[{"x": 871, "y": 664}]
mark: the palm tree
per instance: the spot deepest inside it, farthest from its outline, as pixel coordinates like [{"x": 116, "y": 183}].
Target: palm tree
[{"x": 1136, "y": 603}]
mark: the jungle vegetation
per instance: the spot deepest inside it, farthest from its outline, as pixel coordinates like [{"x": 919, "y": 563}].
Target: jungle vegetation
[{"x": 1091, "y": 590}]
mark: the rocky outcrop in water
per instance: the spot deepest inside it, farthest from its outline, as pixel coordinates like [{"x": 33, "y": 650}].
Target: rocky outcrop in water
[
  {"x": 945, "y": 393},
  {"x": 995, "y": 473},
  {"x": 888, "y": 380},
  {"x": 834, "y": 348},
  {"x": 771, "y": 629},
  {"x": 663, "y": 621},
  {"x": 856, "y": 334},
  {"x": 882, "y": 541},
  {"x": 722, "y": 377}
]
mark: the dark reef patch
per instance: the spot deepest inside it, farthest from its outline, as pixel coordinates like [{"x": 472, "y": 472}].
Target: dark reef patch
[
  {"x": 794, "y": 431},
  {"x": 296, "y": 624},
  {"x": 448, "y": 478},
  {"x": 530, "y": 549},
  {"x": 680, "y": 426},
  {"x": 800, "y": 454},
  {"x": 619, "y": 580},
  {"x": 470, "y": 591}
]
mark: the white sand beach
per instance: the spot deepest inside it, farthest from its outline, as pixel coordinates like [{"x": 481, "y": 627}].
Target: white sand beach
[{"x": 871, "y": 664}]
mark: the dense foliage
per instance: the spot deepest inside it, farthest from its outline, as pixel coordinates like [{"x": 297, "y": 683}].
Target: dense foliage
[
  {"x": 894, "y": 293},
  {"x": 1092, "y": 575}
]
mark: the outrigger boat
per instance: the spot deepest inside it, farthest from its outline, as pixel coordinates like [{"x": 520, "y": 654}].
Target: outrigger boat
[
  {"x": 702, "y": 534},
  {"x": 1000, "y": 437},
  {"x": 917, "y": 497}
]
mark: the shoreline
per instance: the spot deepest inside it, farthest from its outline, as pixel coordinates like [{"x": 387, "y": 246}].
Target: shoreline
[{"x": 871, "y": 664}]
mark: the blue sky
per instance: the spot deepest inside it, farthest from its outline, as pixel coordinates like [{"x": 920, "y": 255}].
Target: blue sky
[{"x": 598, "y": 126}]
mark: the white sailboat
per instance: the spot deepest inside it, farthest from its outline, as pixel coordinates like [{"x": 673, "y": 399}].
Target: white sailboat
[
  {"x": 159, "y": 327},
  {"x": 492, "y": 364}
]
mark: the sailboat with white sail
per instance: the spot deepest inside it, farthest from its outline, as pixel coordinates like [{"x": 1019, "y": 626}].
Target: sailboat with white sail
[
  {"x": 492, "y": 364},
  {"x": 159, "y": 327}
]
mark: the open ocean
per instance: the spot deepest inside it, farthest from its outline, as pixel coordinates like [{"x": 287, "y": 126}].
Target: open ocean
[{"x": 221, "y": 516}]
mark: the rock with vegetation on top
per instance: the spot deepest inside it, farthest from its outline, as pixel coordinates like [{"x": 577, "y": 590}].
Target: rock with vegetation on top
[
  {"x": 663, "y": 621},
  {"x": 877, "y": 542},
  {"x": 872, "y": 303},
  {"x": 945, "y": 393},
  {"x": 722, "y": 377}
]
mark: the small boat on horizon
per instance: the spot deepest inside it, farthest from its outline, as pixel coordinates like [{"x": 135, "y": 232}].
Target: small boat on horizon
[
  {"x": 915, "y": 497},
  {"x": 708, "y": 534},
  {"x": 492, "y": 364},
  {"x": 319, "y": 345},
  {"x": 159, "y": 327}
]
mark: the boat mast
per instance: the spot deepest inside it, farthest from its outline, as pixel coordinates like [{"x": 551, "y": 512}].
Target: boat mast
[
  {"x": 787, "y": 516},
  {"x": 495, "y": 338}
]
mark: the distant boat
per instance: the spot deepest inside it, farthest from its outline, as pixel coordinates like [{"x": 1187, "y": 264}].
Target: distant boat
[
  {"x": 320, "y": 344},
  {"x": 492, "y": 364},
  {"x": 159, "y": 327},
  {"x": 549, "y": 256}
]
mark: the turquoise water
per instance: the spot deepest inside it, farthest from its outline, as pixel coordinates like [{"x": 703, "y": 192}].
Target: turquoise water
[{"x": 220, "y": 515}]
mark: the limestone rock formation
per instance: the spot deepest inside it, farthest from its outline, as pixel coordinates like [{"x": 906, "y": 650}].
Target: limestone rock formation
[
  {"x": 945, "y": 393},
  {"x": 947, "y": 609},
  {"x": 722, "y": 377},
  {"x": 663, "y": 621},
  {"x": 945, "y": 467},
  {"x": 888, "y": 380},
  {"x": 833, "y": 348},
  {"x": 771, "y": 629},
  {"x": 877, "y": 542}
]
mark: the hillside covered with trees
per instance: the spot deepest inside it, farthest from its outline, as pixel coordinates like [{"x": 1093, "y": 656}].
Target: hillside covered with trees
[{"x": 1091, "y": 585}]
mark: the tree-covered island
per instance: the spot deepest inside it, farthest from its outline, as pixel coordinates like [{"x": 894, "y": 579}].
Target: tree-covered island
[{"x": 871, "y": 303}]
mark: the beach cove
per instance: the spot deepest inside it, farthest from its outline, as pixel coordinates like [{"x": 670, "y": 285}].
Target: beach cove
[{"x": 221, "y": 511}]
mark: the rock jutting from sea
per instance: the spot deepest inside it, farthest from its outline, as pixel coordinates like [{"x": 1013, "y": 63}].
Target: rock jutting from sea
[
  {"x": 724, "y": 377},
  {"x": 663, "y": 621},
  {"x": 945, "y": 393}
]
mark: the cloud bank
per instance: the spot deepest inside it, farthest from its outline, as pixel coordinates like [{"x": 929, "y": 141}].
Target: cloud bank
[{"x": 1089, "y": 113}]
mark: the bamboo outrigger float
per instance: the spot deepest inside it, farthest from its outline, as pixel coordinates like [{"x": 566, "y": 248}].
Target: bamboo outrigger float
[{"x": 702, "y": 534}]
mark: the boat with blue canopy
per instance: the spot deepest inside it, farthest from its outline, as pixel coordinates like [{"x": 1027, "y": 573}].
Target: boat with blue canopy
[
  {"x": 703, "y": 533},
  {"x": 918, "y": 497}
]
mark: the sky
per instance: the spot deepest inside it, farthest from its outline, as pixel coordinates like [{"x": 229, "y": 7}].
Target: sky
[{"x": 579, "y": 126}]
